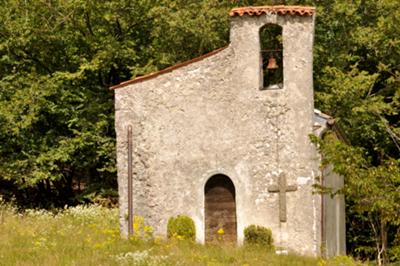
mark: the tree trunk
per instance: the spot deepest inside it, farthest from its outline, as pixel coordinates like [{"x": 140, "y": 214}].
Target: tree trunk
[
  {"x": 381, "y": 243},
  {"x": 383, "y": 231}
]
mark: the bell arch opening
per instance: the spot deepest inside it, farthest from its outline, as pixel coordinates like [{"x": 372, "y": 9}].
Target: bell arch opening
[
  {"x": 271, "y": 43},
  {"x": 220, "y": 209}
]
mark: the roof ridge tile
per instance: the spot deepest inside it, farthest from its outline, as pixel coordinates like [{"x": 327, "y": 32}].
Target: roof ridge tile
[{"x": 279, "y": 9}]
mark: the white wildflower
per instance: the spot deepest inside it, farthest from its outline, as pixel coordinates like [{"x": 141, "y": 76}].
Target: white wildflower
[{"x": 140, "y": 258}]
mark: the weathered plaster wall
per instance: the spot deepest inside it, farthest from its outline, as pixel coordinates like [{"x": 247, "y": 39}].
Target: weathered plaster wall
[
  {"x": 334, "y": 215},
  {"x": 211, "y": 117}
]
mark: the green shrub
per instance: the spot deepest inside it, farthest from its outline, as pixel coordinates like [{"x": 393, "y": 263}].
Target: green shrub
[
  {"x": 394, "y": 252},
  {"x": 258, "y": 235},
  {"x": 181, "y": 227}
]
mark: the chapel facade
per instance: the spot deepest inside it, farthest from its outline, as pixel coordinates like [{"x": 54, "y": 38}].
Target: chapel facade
[{"x": 208, "y": 139}]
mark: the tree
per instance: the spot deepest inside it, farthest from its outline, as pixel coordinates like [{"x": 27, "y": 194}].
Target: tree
[
  {"x": 358, "y": 83},
  {"x": 58, "y": 59}
]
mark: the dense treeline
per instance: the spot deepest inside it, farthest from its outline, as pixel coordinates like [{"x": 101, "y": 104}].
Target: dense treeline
[{"x": 58, "y": 58}]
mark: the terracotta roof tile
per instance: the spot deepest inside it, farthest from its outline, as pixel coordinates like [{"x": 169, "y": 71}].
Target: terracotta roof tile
[{"x": 280, "y": 10}]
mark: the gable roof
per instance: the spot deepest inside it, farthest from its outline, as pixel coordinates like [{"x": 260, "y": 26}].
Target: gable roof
[
  {"x": 166, "y": 70},
  {"x": 324, "y": 121}
]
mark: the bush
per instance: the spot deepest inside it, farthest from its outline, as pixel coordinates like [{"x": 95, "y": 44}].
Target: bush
[
  {"x": 181, "y": 227},
  {"x": 394, "y": 252},
  {"x": 258, "y": 235}
]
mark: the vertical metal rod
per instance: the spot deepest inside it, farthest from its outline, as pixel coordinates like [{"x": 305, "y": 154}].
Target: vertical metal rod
[
  {"x": 130, "y": 203},
  {"x": 323, "y": 217}
]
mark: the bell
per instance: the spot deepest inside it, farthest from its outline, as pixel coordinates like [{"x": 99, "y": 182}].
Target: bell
[{"x": 272, "y": 63}]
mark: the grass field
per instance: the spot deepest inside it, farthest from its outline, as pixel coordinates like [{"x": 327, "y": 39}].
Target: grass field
[{"x": 90, "y": 236}]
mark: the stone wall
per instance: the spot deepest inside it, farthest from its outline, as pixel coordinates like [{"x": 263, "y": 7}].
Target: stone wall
[{"x": 212, "y": 117}]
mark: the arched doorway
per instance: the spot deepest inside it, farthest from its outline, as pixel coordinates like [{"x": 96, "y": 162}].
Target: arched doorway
[{"x": 220, "y": 209}]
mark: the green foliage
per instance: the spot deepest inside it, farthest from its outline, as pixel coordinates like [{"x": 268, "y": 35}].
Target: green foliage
[
  {"x": 181, "y": 227},
  {"x": 259, "y": 236},
  {"x": 57, "y": 61},
  {"x": 373, "y": 199},
  {"x": 357, "y": 81}
]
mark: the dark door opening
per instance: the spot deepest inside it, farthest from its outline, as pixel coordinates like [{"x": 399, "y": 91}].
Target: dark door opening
[{"x": 220, "y": 210}]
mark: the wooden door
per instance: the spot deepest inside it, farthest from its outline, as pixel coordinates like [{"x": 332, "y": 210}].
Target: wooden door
[{"x": 220, "y": 210}]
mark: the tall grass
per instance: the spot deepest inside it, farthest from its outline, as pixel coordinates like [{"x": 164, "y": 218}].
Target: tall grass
[{"x": 90, "y": 236}]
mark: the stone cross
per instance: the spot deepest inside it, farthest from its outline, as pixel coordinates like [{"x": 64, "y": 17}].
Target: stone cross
[{"x": 282, "y": 188}]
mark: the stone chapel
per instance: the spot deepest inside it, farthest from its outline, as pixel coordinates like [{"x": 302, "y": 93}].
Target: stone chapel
[{"x": 217, "y": 139}]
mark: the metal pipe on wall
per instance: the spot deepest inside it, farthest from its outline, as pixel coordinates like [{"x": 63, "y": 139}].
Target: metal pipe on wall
[{"x": 130, "y": 181}]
